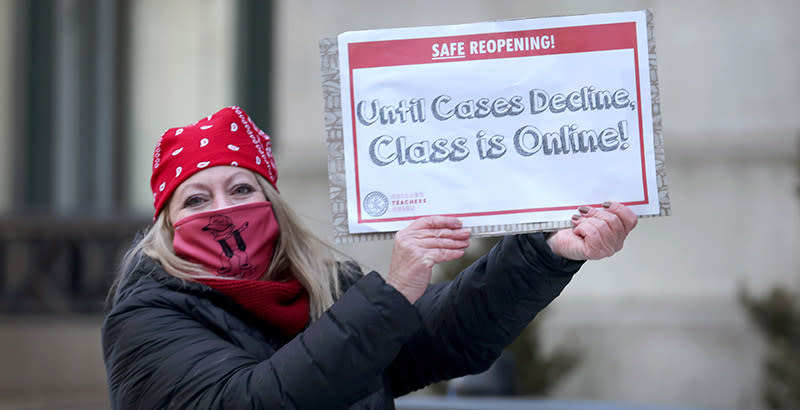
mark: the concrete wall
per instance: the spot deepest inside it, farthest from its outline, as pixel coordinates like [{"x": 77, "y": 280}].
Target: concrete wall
[
  {"x": 47, "y": 362},
  {"x": 6, "y": 86},
  {"x": 181, "y": 57},
  {"x": 660, "y": 322},
  {"x": 728, "y": 70}
]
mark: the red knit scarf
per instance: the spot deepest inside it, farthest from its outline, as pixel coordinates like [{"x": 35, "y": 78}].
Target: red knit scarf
[{"x": 284, "y": 305}]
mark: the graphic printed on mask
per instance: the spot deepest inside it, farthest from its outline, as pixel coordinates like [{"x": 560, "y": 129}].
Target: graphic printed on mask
[
  {"x": 221, "y": 227},
  {"x": 236, "y": 242}
]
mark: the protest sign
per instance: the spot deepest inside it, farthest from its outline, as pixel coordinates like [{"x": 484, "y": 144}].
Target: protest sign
[{"x": 508, "y": 125}]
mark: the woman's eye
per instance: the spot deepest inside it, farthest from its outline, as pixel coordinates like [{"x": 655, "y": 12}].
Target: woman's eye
[
  {"x": 243, "y": 189},
  {"x": 192, "y": 201}
]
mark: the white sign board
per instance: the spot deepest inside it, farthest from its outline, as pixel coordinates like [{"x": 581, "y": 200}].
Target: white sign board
[{"x": 497, "y": 123}]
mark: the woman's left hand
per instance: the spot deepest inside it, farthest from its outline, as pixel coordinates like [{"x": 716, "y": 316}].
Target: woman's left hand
[{"x": 597, "y": 233}]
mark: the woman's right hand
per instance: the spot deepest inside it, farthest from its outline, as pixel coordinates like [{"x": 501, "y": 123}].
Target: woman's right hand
[{"x": 421, "y": 245}]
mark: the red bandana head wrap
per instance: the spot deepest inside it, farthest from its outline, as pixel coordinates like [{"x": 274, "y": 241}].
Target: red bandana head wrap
[{"x": 227, "y": 137}]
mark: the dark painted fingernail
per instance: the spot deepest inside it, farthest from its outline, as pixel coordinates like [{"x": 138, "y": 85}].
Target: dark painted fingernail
[
  {"x": 583, "y": 209},
  {"x": 576, "y": 217},
  {"x": 606, "y": 204}
]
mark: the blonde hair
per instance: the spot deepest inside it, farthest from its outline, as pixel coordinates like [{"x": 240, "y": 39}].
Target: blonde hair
[{"x": 298, "y": 252}]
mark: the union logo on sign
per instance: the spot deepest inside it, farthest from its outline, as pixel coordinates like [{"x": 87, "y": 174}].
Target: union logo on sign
[{"x": 376, "y": 204}]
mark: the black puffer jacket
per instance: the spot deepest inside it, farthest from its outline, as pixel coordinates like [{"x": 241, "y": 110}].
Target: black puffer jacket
[{"x": 170, "y": 344}]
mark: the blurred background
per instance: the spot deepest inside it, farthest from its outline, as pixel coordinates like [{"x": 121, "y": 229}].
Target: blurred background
[{"x": 88, "y": 86}]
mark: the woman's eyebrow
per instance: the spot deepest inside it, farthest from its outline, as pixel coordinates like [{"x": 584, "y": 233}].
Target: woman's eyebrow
[
  {"x": 239, "y": 174},
  {"x": 186, "y": 187}
]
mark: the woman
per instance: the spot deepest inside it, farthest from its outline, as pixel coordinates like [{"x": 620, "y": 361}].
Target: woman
[{"x": 227, "y": 302}]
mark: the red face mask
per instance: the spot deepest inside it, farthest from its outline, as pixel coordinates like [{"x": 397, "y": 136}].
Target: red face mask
[{"x": 236, "y": 242}]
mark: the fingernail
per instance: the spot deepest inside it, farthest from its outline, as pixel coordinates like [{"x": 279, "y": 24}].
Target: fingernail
[
  {"x": 576, "y": 217},
  {"x": 606, "y": 204},
  {"x": 583, "y": 209}
]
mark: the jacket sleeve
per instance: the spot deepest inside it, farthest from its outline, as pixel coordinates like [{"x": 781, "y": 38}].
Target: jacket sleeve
[
  {"x": 160, "y": 357},
  {"x": 469, "y": 321}
]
